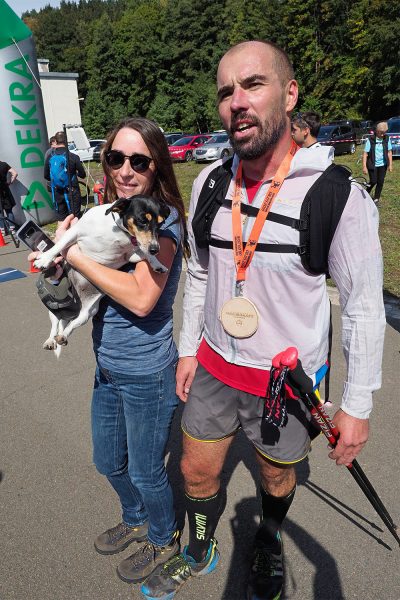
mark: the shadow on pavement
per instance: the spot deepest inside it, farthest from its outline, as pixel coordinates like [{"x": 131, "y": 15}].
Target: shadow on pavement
[{"x": 392, "y": 309}]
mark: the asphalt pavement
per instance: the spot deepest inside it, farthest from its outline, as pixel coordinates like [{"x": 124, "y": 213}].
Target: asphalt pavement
[{"x": 53, "y": 503}]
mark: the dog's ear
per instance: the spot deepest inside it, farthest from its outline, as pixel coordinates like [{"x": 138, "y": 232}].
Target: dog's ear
[
  {"x": 119, "y": 206},
  {"x": 164, "y": 213}
]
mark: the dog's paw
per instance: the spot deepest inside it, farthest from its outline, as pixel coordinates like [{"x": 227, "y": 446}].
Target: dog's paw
[
  {"x": 42, "y": 262},
  {"x": 61, "y": 340},
  {"x": 161, "y": 269},
  {"x": 50, "y": 344}
]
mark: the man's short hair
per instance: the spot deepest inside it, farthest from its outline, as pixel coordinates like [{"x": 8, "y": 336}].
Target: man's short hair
[
  {"x": 281, "y": 62},
  {"x": 60, "y": 137},
  {"x": 309, "y": 119}
]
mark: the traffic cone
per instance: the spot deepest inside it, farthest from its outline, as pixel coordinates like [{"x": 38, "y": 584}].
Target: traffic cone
[
  {"x": 33, "y": 269},
  {"x": 2, "y": 241}
]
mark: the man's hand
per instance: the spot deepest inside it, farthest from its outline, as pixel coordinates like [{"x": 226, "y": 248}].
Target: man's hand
[
  {"x": 185, "y": 371},
  {"x": 353, "y": 437}
]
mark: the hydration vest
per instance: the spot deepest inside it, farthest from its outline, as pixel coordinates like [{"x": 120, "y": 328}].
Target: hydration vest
[{"x": 320, "y": 214}]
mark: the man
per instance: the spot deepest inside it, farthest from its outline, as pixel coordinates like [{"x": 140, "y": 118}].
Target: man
[
  {"x": 222, "y": 374},
  {"x": 7, "y": 176},
  {"x": 65, "y": 189},
  {"x": 305, "y": 129},
  {"x": 377, "y": 158},
  {"x": 52, "y": 145}
]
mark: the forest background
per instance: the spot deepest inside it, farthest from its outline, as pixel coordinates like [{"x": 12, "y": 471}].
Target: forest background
[{"x": 158, "y": 58}]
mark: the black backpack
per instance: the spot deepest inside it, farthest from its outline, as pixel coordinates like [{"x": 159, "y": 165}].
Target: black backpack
[{"x": 320, "y": 214}]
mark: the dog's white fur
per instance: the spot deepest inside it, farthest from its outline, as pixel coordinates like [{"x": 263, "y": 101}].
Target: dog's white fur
[{"x": 102, "y": 238}]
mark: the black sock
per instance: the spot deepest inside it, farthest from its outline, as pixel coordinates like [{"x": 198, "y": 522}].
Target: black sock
[
  {"x": 203, "y": 516},
  {"x": 274, "y": 510}
]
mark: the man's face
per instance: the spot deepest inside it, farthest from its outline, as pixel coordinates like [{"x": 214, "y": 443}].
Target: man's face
[
  {"x": 252, "y": 103},
  {"x": 299, "y": 135}
]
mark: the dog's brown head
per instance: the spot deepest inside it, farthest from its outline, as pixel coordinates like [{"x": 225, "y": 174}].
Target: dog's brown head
[{"x": 142, "y": 217}]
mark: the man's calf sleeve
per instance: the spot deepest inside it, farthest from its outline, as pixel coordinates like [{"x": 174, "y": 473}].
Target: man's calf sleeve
[
  {"x": 203, "y": 516},
  {"x": 274, "y": 510}
]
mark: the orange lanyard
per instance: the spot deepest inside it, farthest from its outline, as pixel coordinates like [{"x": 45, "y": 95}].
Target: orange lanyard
[{"x": 244, "y": 257}]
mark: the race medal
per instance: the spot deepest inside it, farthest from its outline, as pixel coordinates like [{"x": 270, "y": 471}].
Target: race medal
[{"x": 239, "y": 317}]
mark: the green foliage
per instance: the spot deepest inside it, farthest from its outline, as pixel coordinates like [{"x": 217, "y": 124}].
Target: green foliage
[{"x": 159, "y": 57}]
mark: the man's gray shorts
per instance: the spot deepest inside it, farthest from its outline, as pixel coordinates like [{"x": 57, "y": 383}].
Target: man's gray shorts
[{"x": 215, "y": 411}]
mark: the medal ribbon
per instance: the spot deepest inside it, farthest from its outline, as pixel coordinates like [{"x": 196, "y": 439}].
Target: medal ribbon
[{"x": 244, "y": 257}]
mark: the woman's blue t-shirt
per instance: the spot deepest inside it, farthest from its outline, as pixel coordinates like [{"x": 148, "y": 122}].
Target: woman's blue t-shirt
[{"x": 126, "y": 343}]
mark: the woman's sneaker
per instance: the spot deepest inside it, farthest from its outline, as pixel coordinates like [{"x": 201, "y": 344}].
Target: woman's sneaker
[
  {"x": 118, "y": 538},
  {"x": 166, "y": 580},
  {"x": 266, "y": 575},
  {"x": 144, "y": 561}
]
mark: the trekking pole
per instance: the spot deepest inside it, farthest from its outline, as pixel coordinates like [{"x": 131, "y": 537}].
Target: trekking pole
[{"x": 289, "y": 362}]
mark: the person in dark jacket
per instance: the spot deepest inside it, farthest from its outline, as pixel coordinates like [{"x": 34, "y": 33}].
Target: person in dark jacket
[
  {"x": 377, "y": 158},
  {"x": 7, "y": 176},
  {"x": 66, "y": 201}
]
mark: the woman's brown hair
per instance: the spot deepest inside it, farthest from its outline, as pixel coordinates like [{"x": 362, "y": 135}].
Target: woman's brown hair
[{"x": 165, "y": 186}]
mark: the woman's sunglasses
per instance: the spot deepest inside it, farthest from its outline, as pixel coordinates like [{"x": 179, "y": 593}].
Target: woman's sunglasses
[{"x": 139, "y": 162}]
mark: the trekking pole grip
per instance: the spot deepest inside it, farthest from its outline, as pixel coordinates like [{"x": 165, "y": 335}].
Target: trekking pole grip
[{"x": 304, "y": 385}]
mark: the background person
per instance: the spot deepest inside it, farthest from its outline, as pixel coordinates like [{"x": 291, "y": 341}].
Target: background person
[
  {"x": 134, "y": 396},
  {"x": 66, "y": 201},
  {"x": 7, "y": 176},
  {"x": 377, "y": 158},
  {"x": 305, "y": 129},
  {"x": 52, "y": 145},
  {"x": 223, "y": 376}
]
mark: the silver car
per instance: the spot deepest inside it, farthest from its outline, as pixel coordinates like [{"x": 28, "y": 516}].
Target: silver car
[{"x": 218, "y": 146}]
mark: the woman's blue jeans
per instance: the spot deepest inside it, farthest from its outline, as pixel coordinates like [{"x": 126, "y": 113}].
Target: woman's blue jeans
[{"x": 131, "y": 420}]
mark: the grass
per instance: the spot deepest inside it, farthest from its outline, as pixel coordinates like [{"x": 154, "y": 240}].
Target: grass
[
  {"x": 389, "y": 209},
  {"x": 389, "y": 217}
]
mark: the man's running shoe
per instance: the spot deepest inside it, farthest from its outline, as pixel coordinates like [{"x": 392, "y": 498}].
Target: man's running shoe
[
  {"x": 167, "y": 579},
  {"x": 266, "y": 575}
]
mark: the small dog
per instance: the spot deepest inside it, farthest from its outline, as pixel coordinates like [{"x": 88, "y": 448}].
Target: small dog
[{"x": 112, "y": 235}]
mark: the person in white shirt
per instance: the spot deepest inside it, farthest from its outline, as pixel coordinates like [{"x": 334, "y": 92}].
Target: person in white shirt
[{"x": 305, "y": 129}]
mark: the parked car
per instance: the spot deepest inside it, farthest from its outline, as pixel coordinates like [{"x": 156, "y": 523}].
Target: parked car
[
  {"x": 87, "y": 154},
  {"x": 368, "y": 129},
  {"x": 97, "y": 152},
  {"x": 342, "y": 138},
  {"x": 393, "y": 133},
  {"x": 354, "y": 124},
  {"x": 218, "y": 146},
  {"x": 173, "y": 137},
  {"x": 184, "y": 148}
]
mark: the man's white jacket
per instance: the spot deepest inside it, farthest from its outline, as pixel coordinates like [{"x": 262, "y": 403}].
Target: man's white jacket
[{"x": 293, "y": 305}]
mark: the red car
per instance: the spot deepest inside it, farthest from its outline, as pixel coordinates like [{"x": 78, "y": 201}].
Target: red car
[{"x": 183, "y": 148}]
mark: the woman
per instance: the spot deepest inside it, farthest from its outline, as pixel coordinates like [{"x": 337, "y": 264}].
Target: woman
[
  {"x": 377, "y": 158},
  {"x": 134, "y": 389}
]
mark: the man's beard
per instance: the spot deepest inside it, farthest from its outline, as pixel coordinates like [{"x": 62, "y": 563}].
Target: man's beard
[{"x": 266, "y": 139}]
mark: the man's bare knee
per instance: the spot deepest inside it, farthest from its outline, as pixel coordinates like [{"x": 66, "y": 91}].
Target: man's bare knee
[
  {"x": 198, "y": 473},
  {"x": 277, "y": 480},
  {"x": 201, "y": 466}
]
